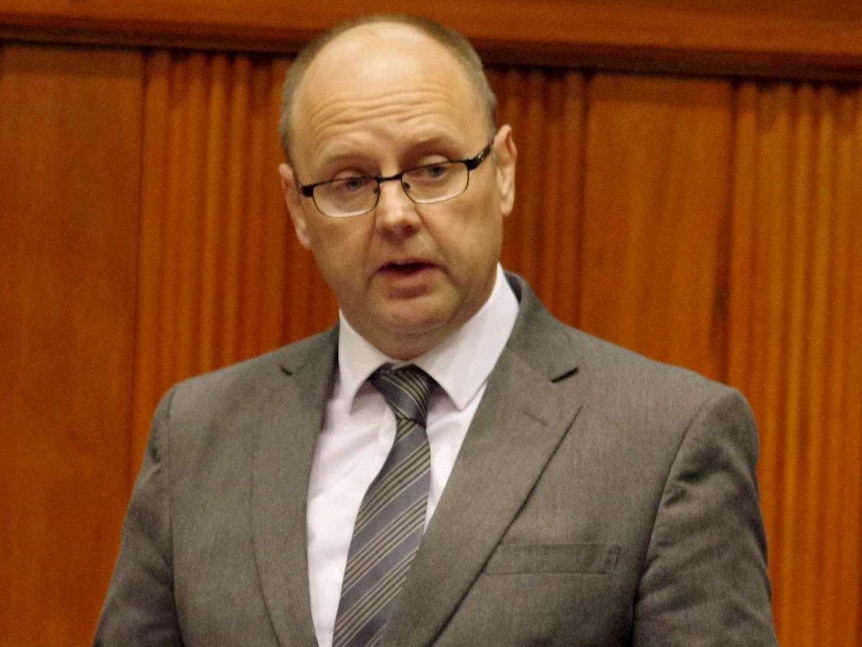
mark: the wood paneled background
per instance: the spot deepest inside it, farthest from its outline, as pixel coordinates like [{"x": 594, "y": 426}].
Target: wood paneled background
[{"x": 710, "y": 221}]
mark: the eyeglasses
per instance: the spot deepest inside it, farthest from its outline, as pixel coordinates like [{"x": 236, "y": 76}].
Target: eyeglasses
[{"x": 357, "y": 195}]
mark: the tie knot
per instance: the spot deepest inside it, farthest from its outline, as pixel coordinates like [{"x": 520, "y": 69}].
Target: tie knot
[{"x": 407, "y": 390}]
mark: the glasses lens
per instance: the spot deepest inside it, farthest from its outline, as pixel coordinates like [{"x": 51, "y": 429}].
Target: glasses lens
[
  {"x": 346, "y": 197},
  {"x": 436, "y": 182}
]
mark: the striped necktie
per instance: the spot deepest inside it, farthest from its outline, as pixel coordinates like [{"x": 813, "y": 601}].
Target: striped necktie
[{"x": 391, "y": 518}]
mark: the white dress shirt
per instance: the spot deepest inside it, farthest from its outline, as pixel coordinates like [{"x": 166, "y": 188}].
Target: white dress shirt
[{"x": 359, "y": 429}]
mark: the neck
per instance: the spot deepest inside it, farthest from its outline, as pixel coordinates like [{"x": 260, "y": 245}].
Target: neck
[{"x": 406, "y": 348}]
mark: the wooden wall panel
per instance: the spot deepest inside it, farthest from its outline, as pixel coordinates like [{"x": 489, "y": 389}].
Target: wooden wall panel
[
  {"x": 796, "y": 343},
  {"x": 656, "y": 217},
  {"x": 222, "y": 276},
  {"x": 703, "y": 222},
  {"x": 546, "y": 110},
  {"x": 69, "y": 182}
]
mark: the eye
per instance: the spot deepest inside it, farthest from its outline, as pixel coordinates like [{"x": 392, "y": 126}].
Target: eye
[
  {"x": 430, "y": 172},
  {"x": 350, "y": 185}
]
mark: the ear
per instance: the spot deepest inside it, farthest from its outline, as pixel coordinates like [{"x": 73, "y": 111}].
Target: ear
[
  {"x": 294, "y": 204},
  {"x": 505, "y": 153}
]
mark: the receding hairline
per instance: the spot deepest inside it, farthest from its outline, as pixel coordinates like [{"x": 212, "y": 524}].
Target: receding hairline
[{"x": 452, "y": 41}]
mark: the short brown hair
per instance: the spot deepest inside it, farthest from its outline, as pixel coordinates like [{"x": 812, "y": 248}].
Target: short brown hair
[{"x": 459, "y": 46}]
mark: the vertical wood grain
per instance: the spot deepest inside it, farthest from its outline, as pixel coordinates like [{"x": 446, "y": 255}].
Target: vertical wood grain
[
  {"x": 796, "y": 341},
  {"x": 546, "y": 110},
  {"x": 70, "y": 123},
  {"x": 222, "y": 277},
  {"x": 656, "y": 217},
  {"x": 143, "y": 239},
  {"x": 844, "y": 476}
]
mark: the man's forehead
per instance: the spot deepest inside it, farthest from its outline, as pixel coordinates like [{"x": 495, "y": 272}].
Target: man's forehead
[
  {"x": 380, "y": 55},
  {"x": 379, "y": 36},
  {"x": 366, "y": 48},
  {"x": 378, "y": 74}
]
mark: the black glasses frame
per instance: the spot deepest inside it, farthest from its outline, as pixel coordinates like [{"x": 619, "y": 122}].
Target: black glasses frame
[{"x": 471, "y": 163}]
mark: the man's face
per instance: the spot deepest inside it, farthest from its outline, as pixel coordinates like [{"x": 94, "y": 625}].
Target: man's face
[{"x": 380, "y": 99}]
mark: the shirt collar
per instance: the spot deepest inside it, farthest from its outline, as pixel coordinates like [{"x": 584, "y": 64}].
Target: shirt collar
[{"x": 460, "y": 364}]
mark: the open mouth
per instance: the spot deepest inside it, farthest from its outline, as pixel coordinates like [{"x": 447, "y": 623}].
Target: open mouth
[{"x": 406, "y": 268}]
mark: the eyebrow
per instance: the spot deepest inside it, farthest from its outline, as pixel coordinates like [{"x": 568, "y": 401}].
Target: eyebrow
[
  {"x": 428, "y": 140},
  {"x": 421, "y": 146}
]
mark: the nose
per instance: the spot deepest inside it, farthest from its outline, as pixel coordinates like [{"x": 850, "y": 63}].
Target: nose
[{"x": 395, "y": 212}]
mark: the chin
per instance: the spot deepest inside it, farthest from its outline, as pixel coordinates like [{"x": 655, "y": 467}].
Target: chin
[
  {"x": 413, "y": 323},
  {"x": 412, "y": 326}
]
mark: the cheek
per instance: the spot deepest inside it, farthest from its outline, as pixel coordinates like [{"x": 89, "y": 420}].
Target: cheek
[
  {"x": 476, "y": 233},
  {"x": 338, "y": 250}
]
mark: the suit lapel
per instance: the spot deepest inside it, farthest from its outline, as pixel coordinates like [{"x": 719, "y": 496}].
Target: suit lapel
[
  {"x": 525, "y": 413},
  {"x": 285, "y": 437}
]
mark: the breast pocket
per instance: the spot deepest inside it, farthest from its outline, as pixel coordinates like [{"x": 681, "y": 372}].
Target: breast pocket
[{"x": 596, "y": 559}]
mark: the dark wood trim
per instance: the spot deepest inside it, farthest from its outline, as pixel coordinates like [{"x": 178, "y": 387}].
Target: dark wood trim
[{"x": 790, "y": 39}]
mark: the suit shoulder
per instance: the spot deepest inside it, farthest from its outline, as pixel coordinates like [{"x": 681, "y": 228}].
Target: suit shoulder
[
  {"x": 556, "y": 350},
  {"x": 244, "y": 380},
  {"x": 601, "y": 355},
  {"x": 621, "y": 381}
]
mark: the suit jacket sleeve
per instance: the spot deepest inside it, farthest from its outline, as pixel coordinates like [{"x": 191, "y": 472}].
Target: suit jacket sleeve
[
  {"x": 704, "y": 579},
  {"x": 139, "y": 609}
]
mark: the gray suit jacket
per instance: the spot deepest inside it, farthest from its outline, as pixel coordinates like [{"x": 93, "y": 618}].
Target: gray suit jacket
[{"x": 598, "y": 499}]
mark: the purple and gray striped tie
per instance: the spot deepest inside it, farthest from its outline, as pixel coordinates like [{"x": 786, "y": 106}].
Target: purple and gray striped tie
[{"x": 391, "y": 518}]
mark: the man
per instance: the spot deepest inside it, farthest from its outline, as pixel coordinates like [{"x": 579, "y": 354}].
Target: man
[{"x": 562, "y": 491}]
